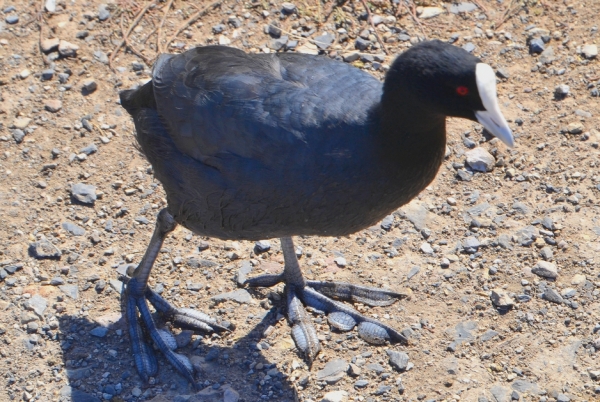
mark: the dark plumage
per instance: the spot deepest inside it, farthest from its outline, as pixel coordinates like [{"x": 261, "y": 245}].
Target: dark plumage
[{"x": 255, "y": 146}]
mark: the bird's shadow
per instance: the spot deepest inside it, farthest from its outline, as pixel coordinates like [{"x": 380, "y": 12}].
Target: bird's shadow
[{"x": 97, "y": 367}]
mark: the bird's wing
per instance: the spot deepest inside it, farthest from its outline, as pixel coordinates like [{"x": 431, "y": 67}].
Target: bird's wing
[{"x": 218, "y": 101}]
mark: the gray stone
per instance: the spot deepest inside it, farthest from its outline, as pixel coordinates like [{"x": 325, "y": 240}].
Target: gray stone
[
  {"x": 278, "y": 43},
  {"x": 375, "y": 367},
  {"x": 75, "y": 394},
  {"x": 500, "y": 393},
  {"x": 116, "y": 285},
  {"x": 469, "y": 47},
  {"x": 413, "y": 271},
  {"x": 70, "y": 290},
  {"x": 417, "y": 214},
  {"x": 362, "y": 44},
  {"x": 89, "y": 85},
  {"x": 101, "y": 56},
  {"x": 261, "y": 246},
  {"x": 99, "y": 332},
  {"x": 479, "y": 159},
  {"x": 470, "y": 244},
  {"x": 398, "y": 360},
  {"x": 464, "y": 7},
  {"x": 536, "y": 45},
  {"x": 103, "y": 13},
  {"x": 431, "y": 12},
  {"x": 562, "y": 90},
  {"x": 547, "y": 56},
  {"x": 552, "y": 296},
  {"x": 88, "y": 150},
  {"x": 243, "y": 272},
  {"x": 451, "y": 365},
  {"x": 361, "y": 383},
  {"x": 546, "y": 253},
  {"x": 545, "y": 269},
  {"x": 230, "y": 395},
  {"x": 589, "y": 51},
  {"x": 335, "y": 396},
  {"x": 324, "y": 41},
  {"x": 520, "y": 207},
  {"x": 56, "y": 281},
  {"x": 387, "y": 222},
  {"x": 488, "y": 335},
  {"x": 500, "y": 298},
  {"x": 49, "y": 45},
  {"x": 73, "y": 229},
  {"x": 288, "y": 8},
  {"x": 50, "y": 5},
  {"x": 12, "y": 19},
  {"x": 37, "y": 304},
  {"x": 44, "y": 249},
  {"x": 462, "y": 331},
  {"x": 84, "y": 193},
  {"x": 18, "y": 135},
  {"x": 239, "y": 295},
  {"x": 525, "y": 386},
  {"x": 67, "y": 49},
  {"x": 333, "y": 369}
]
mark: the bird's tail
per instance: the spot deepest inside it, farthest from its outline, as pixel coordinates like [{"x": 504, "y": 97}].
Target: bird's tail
[{"x": 135, "y": 99}]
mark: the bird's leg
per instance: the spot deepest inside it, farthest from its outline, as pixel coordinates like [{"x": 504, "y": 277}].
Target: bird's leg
[
  {"x": 136, "y": 294},
  {"x": 320, "y": 297}
]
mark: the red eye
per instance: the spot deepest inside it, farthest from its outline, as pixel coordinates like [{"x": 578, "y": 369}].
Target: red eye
[{"x": 462, "y": 91}]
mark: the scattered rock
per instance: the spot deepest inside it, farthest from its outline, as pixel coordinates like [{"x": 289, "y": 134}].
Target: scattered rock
[
  {"x": 53, "y": 105},
  {"x": 333, "y": 371},
  {"x": 44, "y": 249},
  {"x": 84, "y": 193},
  {"x": 103, "y": 12},
  {"x": 589, "y": 51},
  {"x": 240, "y": 295},
  {"x": 49, "y": 45},
  {"x": 429, "y": 12},
  {"x": 545, "y": 269},
  {"x": 500, "y": 298},
  {"x": 480, "y": 159},
  {"x": 553, "y": 296},
  {"x": 73, "y": 229},
  {"x": 398, "y": 360},
  {"x": 89, "y": 85},
  {"x": 67, "y": 49},
  {"x": 335, "y": 396}
]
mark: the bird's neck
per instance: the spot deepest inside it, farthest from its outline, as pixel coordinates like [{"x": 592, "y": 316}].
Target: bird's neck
[{"x": 411, "y": 134}]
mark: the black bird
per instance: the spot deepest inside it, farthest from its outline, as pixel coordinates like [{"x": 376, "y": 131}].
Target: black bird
[{"x": 256, "y": 146}]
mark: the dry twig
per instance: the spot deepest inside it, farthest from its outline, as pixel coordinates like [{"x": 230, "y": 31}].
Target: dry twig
[
  {"x": 413, "y": 13},
  {"x": 374, "y": 28},
  {"x": 193, "y": 19},
  {"x": 136, "y": 21},
  {"x": 159, "y": 48},
  {"x": 482, "y": 8},
  {"x": 508, "y": 14}
]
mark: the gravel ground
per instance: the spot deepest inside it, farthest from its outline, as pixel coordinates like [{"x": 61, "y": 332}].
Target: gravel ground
[{"x": 498, "y": 255}]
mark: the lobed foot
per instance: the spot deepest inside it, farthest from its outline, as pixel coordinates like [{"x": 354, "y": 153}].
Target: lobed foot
[
  {"x": 318, "y": 296},
  {"x": 135, "y": 297},
  {"x": 144, "y": 357}
]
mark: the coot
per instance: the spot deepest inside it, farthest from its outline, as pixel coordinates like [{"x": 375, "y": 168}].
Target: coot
[{"x": 256, "y": 146}]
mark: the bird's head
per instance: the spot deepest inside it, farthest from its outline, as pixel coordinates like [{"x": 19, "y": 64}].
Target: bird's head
[{"x": 450, "y": 81}]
